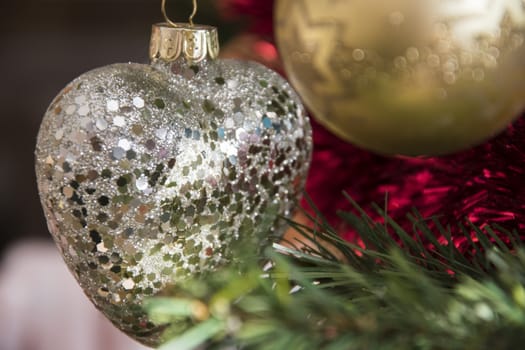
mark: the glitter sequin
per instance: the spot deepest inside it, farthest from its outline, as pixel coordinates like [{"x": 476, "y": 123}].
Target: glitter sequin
[
  {"x": 124, "y": 144},
  {"x": 118, "y": 153},
  {"x": 112, "y": 105},
  {"x": 119, "y": 121},
  {"x": 101, "y": 124},
  {"x": 142, "y": 183},
  {"x": 138, "y": 102},
  {"x": 71, "y": 109},
  {"x": 59, "y": 134},
  {"x": 83, "y": 110}
]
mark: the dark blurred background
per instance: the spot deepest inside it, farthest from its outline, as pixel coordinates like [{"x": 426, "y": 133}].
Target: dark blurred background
[{"x": 44, "y": 45}]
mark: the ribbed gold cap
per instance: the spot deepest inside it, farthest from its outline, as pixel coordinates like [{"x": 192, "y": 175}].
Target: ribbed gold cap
[{"x": 194, "y": 43}]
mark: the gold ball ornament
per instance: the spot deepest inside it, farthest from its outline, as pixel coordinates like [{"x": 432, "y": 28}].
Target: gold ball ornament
[{"x": 411, "y": 77}]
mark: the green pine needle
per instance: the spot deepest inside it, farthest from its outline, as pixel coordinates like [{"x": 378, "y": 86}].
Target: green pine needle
[{"x": 196, "y": 336}]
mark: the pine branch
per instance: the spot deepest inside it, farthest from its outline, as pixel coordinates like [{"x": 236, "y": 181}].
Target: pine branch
[{"x": 402, "y": 290}]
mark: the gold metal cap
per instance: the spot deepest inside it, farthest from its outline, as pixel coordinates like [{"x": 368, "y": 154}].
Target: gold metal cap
[{"x": 193, "y": 42}]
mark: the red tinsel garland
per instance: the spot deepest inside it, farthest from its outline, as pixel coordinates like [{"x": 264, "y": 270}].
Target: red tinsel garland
[
  {"x": 260, "y": 13},
  {"x": 482, "y": 185}
]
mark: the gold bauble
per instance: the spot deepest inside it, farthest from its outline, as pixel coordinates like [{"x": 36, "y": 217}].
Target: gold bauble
[{"x": 411, "y": 77}]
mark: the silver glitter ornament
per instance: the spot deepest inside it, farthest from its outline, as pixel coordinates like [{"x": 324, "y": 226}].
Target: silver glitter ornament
[{"x": 150, "y": 173}]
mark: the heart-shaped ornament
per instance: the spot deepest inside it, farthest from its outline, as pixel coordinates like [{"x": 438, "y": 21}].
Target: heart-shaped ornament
[{"x": 151, "y": 173}]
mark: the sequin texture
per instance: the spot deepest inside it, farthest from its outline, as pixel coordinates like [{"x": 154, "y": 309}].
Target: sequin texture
[{"x": 148, "y": 174}]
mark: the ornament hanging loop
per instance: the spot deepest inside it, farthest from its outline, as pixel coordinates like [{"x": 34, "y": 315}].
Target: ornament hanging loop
[{"x": 173, "y": 24}]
